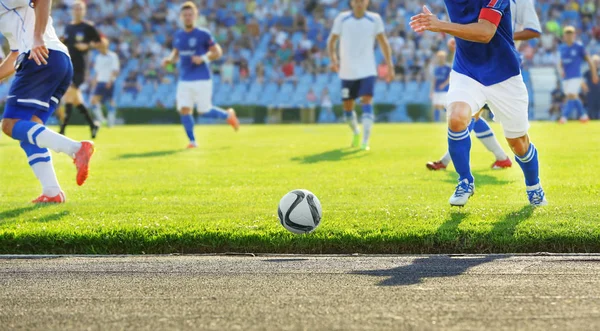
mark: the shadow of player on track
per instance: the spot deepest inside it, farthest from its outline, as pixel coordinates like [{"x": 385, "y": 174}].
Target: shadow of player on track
[
  {"x": 340, "y": 154},
  {"x": 444, "y": 265}
]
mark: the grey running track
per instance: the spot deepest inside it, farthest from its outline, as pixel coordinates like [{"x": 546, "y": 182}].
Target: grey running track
[{"x": 470, "y": 292}]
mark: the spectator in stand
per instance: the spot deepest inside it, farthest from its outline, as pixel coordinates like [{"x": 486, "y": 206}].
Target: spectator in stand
[
  {"x": 558, "y": 98},
  {"x": 311, "y": 97},
  {"x": 285, "y": 53},
  {"x": 260, "y": 74},
  {"x": 244, "y": 71},
  {"x": 151, "y": 74},
  {"x": 227, "y": 72},
  {"x": 592, "y": 91},
  {"x": 288, "y": 72},
  {"x": 253, "y": 29},
  {"x": 131, "y": 84}
]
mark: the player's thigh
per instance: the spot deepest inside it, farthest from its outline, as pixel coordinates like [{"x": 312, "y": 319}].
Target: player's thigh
[
  {"x": 203, "y": 95},
  {"x": 350, "y": 89},
  {"x": 464, "y": 90},
  {"x": 366, "y": 89},
  {"x": 572, "y": 86},
  {"x": 184, "y": 96},
  {"x": 439, "y": 99},
  {"x": 510, "y": 103}
]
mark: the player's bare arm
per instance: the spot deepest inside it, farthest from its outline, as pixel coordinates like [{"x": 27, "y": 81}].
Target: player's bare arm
[
  {"x": 39, "y": 52},
  {"x": 214, "y": 53},
  {"x": 593, "y": 68},
  {"x": 7, "y": 67},
  {"x": 560, "y": 69},
  {"x": 481, "y": 32},
  {"x": 172, "y": 58},
  {"x": 332, "y": 50},
  {"x": 387, "y": 54},
  {"x": 526, "y": 34}
]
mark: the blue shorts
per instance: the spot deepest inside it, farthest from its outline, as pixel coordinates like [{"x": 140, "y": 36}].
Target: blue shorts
[
  {"x": 105, "y": 93},
  {"x": 352, "y": 89},
  {"x": 37, "y": 90}
]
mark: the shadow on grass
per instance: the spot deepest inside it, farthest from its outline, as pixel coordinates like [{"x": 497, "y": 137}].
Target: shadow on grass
[
  {"x": 340, "y": 154},
  {"x": 149, "y": 154},
  {"x": 447, "y": 266},
  {"x": 481, "y": 178},
  {"x": 12, "y": 213},
  {"x": 43, "y": 219}
]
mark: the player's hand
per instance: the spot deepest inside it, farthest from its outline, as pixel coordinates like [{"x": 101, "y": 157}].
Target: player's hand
[
  {"x": 109, "y": 84},
  {"x": 197, "y": 60},
  {"x": 595, "y": 79},
  {"x": 425, "y": 21},
  {"x": 391, "y": 74},
  {"x": 39, "y": 52},
  {"x": 166, "y": 61},
  {"x": 82, "y": 47},
  {"x": 335, "y": 67}
]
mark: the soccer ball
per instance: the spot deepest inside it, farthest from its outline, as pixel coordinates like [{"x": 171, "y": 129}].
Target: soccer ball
[{"x": 300, "y": 211}]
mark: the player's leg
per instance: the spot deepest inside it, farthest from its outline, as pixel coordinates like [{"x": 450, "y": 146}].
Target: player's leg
[
  {"x": 203, "y": 99},
  {"x": 78, "y": 102},
  {"x": 97, "y": 100},
  {"x": 111, "y": 109},
  {"x": 68, "y": 99},
  {"x": 486, "y": 135},
  {"x": 185, "y": 106},
  {"x": 349, "y": 94},
  {"x": 366, "y": 91},
  {"x": 510, "y": 102}
]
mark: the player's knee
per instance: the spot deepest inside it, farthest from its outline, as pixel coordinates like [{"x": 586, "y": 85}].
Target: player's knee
[
  {"x": 520, "y": 145},
  {"x": 7, "y": 126},
  {"x": 185, "y": 111},
  {"x": 366, "y": 100}
]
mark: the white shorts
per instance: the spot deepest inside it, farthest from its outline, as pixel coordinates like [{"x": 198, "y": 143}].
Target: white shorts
[
  {"x": 572, "y": 86},
  {"x": 508, "y": 100},
  {"x": 439, "y": 98},
  {"x": 195, "y": 93}
]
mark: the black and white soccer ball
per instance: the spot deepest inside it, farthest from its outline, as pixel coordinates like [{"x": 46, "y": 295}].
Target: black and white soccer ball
[{"x": 300, "y": 211}]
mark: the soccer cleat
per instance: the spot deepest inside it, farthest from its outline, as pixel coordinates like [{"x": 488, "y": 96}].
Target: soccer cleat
[
  {"x": 356, "y": 140},
  {"x": 436, "y": 165},
  {"x": 464, "y": 190},
  {"x": 562, "y": 120},
  {"x": 60, "y": 198},
  {"x": 502, "y": 164},
  {"x": 82, "y": 161},
  {"x": 232, "y": 119},
  {"x": 584, "y": 118},
  {"x": 95, "y": 130},
  {"x": 536, "y": 196},
  {"x": 365, "y": 147},
  {"x": 192, "y": 144}
]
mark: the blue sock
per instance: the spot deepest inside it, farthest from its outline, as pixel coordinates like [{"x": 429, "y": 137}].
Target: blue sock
[
  {"x": 188, "y": 125},
  {"x": 567, "y": 108},
  {"x": 216, "y": 112},
  {"x": 530, "y": 166},
  {"x": 109, "y": 107},
  {"x": 459, "y": 146},
  {"x": 27, "y": 131},
  {"x": 579, "y": 106},
  {"x": 436, "y": 114},
  {"x": 481, "y": 126},
  {"x": 35, "y": 154}
]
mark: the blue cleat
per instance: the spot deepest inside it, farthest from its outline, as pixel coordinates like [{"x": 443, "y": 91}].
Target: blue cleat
[
  {"x": 536, "y": 196},
  {"x": 464, "y": 190}
]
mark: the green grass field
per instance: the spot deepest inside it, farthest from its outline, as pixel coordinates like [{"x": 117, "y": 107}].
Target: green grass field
[{"x": 147, "y": 194}]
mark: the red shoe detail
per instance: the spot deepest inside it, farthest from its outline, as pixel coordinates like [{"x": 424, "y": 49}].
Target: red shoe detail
[
  {"x": 502, "y": 164},
  {"x": 437, "y": 165},
  {"x": 60, "y": 198},
  {"x": 82, "y": 161},
  {"x": 562, "y": 120},
  {"x": 232, "y": 119},
  {"x": 584, "y": 119},
  {"x": 192, "y": 145}
]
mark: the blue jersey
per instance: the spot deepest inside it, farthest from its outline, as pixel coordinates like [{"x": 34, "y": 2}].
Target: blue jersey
[
  {"x": 489, "y": 63},
  {"x": 571, "y": 58},
  {"x": 196, "y": 42},
  {"x": 441, "y": 74}
]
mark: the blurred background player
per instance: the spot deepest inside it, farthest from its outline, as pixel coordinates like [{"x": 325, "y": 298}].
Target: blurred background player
[
  {"x": 527, "y": 25},
  {"x": 357, "y": 31},
  {"x": 43, "y": 74},
  {"x": 572, "y": 54},
  {"x": 440, "y": 82},
  {"x": 196, "y": 48},
  {"x": 486, "y": 70},
  {"x": 80, "y": 36},
  {"x": 591, "y": 90},
  {"x": 107, "y": 67}
]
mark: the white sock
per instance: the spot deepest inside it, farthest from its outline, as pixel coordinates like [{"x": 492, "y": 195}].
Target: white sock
[
  {"x": 57, "y": 142},
  {"x": 367, "y": 120},
  {"x": 112, "y": 118},
  {"x": 98, "y": 113},
  {"x": 446, "y": 159},
  {"x": 492, "y": 145},
  {"x": 353, "y": 122},
  {"x": 44, "y": 171}
]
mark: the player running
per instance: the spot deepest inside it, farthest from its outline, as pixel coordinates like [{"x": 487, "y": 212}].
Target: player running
[
  {"x": 196, "y": 49},
  {"x": 79, "y": 37},
  {"x": 107, "y": 67},
  {"x": 43, "y": 74},
  {"x": 357, "y": 31},
  {"x": 524, "y": 19},
  {"x": 486, "y": 70},
  {"x": 440, "y": 83},
  {"x": 569, "y": 66}
]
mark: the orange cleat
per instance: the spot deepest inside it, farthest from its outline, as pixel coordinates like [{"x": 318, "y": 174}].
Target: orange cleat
[
  {"x": 232, "y": 119},
  {"x": 502, "y": 164},
  {"x": 82, "y": 161},
  {"x": 192, "y": 145},
  {"x": 60, "y": 198},
  {"x": 436, "y": 165},
  {"x": 562, "y": 120},
  {"x": 584, "y": 119}
]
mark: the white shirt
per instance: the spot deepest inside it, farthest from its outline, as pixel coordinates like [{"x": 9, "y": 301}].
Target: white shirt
[
  {"x": 524, "y": 16},
  {"x": 357, "y": 43},
  {"x": 17, "y": 22},
  {"x": 105, "y": 66}
]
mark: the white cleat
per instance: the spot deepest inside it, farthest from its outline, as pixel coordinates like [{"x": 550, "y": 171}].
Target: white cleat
[
  {"x": 464, "y": 190},
  {"x": 536, "y": 196}
]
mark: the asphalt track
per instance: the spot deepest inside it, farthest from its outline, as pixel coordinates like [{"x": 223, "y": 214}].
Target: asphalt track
[{"x": 497, "y": 292}]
